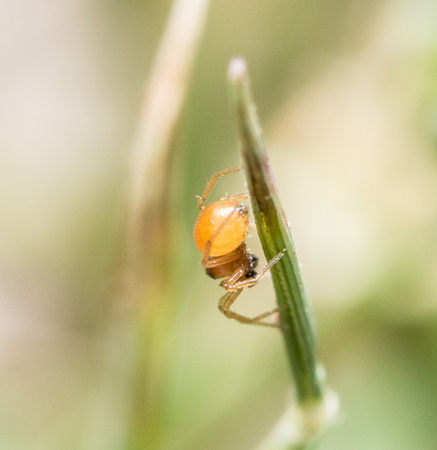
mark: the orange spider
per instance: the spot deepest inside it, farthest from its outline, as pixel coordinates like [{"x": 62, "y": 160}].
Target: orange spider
[{"x": 219, "y": 233}]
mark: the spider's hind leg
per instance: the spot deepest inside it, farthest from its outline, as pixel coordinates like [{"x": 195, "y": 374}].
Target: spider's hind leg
[{"x": 228, "y": 300}]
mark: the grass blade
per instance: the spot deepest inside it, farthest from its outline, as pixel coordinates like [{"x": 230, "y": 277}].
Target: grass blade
[{"x": 296, "y": 314}]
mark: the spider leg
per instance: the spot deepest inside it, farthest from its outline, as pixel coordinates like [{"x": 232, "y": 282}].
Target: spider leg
[
  {"x": 228, "y": 300},
  {"x": 209, "y": 187},
  {"x": 236, "y": 197},
  {"x": 233, "y": 282},
  {"x": 214, "y": 261}
]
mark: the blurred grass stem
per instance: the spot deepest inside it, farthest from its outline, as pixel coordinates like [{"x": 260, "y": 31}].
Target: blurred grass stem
[
  {"x": 149, "y": 178},
  {"x": 137, "y": 348}
]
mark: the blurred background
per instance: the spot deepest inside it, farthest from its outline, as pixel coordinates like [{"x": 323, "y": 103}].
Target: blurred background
[{"x": 347, "y": 95}]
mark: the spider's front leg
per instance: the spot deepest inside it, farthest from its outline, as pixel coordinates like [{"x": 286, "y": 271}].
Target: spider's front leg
[{"x": 234, "y": 282}]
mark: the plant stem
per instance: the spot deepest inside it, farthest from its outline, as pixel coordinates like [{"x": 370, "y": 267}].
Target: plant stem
[
  {"x": 317, "y": 405},
  {"x": 295, "y": 313}
]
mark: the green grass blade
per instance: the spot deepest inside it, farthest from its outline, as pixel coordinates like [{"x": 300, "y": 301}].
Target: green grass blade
[
  {"x": 317, "y": 405},
  {"x": 296, "y": 315}
]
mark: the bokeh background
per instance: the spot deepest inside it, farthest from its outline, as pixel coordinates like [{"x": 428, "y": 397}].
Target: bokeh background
[{"x": 347, "y": 94}]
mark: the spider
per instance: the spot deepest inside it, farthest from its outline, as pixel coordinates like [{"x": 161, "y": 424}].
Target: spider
[{"x": 219, "y": 233}]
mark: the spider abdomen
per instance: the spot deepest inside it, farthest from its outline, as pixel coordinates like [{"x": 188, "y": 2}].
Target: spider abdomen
[{"x": 231, "y": 234}]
